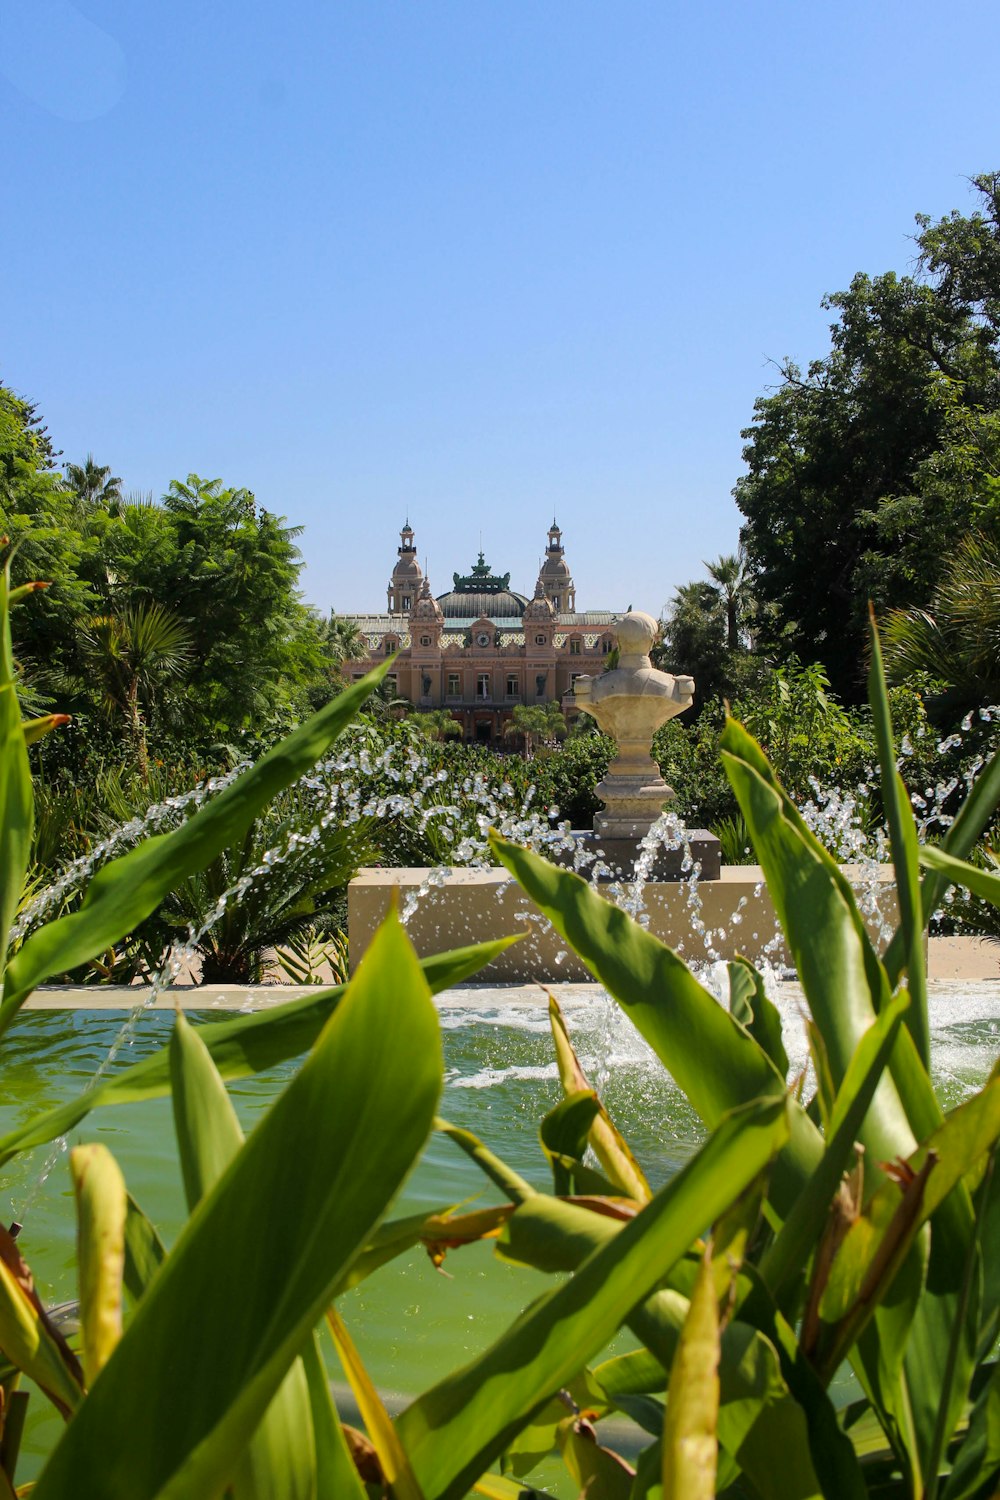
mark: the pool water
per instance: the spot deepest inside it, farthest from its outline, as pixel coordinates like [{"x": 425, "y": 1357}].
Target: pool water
[{"x": 411, "y": 1323}]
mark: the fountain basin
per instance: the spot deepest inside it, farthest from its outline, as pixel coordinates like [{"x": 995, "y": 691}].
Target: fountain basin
[{"x": 715, "y": 919}]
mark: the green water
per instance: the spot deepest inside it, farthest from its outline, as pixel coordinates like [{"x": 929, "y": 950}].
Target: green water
[{"x": 411, "y": 1322}]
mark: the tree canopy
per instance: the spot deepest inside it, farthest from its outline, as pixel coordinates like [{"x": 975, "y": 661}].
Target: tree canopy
[
  {"x": 184, "y": 614},
  {"x": 864, "y": 472}
]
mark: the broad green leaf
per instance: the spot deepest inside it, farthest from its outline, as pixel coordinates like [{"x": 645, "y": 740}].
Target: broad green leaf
[
  {"x": 903, "y": 841},
  {"x": 240, "y": 1046},
  {"x": 714, "y": 1060},
  {"x": 378, "y": 1424},
  {"x": 100, "y": 1249},
  {"x": 16, "y": 798},
  {"x": 261, "y": 1253},
  {"x": 843, "y": 981},
  {"x": 145, "y": 1252},
  {"x": 957, "y": 872},
  {"x": 280, "y": 1457},
  {"x": 129, "y": 888},
  {"x": 29, "y": 1339},
  {"x": 690, "y": 1444},
  {"x": 609, "y": 1145},
  {"x": 454, "y": 1430}
]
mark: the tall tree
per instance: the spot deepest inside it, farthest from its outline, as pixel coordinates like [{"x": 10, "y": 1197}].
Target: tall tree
[
  {"x": 94, "y": 485},
  {"x": 864, "y": 472}
]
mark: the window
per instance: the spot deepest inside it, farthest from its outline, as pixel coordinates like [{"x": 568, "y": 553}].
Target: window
[
  {"x": 539, "y": 640},
  {"x": 540, "y": 685},
  {"x": 454, "y": 685},
  {"x": 425, "y": 685},
  {"x": 390, "y": 645},
  {"x": 392, "y": 685},
  {"x": 483, "y": 685},
  {"x": 406, "y": 602},
  {"x": 513, "y": 685},
  {"x": 425, "y": 640},
  {"x": 555, "y": 601},
  {"x": 574, "y": 646}
]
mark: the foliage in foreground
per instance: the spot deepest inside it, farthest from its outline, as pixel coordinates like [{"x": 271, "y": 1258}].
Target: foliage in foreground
[{"x": 850, "y": 1226}]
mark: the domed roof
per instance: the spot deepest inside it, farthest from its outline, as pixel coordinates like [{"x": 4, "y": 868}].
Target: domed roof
[
  {"x": 555, "y": 567},
  {"x": 407, "y": 566},
  {"x": 482, "y": 593},
  {"x": 503, "y": 604}
]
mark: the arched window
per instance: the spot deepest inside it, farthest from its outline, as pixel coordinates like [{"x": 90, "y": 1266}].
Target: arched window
[{"x": 390, "y": 645}]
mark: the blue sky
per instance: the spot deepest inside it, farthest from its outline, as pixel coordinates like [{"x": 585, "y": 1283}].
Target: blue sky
[{"x": 474, "y": 262}]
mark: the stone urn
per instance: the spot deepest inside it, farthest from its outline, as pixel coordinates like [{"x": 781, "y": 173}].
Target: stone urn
[{"x": 631, "y": 703}]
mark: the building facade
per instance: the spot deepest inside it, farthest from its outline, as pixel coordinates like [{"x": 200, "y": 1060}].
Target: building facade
[{"x": 482, "y": 648}]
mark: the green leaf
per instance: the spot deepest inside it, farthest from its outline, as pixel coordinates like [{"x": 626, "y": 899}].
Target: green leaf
[
  {"x": 971, "y": 820},
  {"x": 957, "y": 872},
  {"x": 17, "y": 804},
  {"x": 563, "y": 1133},
  {"x": 749, "y": 1003},
  {"x": 145, "y": 1252},
  {"x": 335, "y": 1471},
  {"x": 505, "y": 1178},
  {"x": 609, "y": 1145},
  {"x": 716, "y": 1063},
  {"x": 454, "y": 1430},
  {"x": 128, "y": 889},
  {"x": 240, "y": 1046},
  {"x": 390, "y": 1452},
  {"x": 903, "y": 841},
  {"x": 279, "y": 1458},
  {"x": 690, "y": 1444},
  {"x": 976, "y": 1470},
  {"x": 100, "y": 1247},
  {"x": 790, "y": 1250},
  {"x": 263, "y": 1249},
  {"x": 843, "y": 981}
]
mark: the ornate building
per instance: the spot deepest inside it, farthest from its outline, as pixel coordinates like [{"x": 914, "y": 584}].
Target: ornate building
[{"x": 482, "y": 648}]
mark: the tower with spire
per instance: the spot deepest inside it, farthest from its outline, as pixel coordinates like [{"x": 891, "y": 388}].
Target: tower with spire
[
  {"x": 404, "y": 585},
  {"x": 554, "y": 578}
]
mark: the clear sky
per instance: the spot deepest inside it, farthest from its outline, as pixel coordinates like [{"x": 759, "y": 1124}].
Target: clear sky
[{"x": 471, "y": 262}]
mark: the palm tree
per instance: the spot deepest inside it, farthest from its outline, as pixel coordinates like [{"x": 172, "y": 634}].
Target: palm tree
[
  {"x": 94, "y": 485},
  {"x": 535, "y": 721},
  {"x": 731, "y": 586},
  {"x": 132, "y": 653},
  {"x": 343, "y": 639},
  {"x": 436, "y": 723},
  {"x": 956, "y": 640}
]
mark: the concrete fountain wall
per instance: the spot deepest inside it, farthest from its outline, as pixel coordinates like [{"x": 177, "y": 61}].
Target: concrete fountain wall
[{"x": 474, "y": 905}]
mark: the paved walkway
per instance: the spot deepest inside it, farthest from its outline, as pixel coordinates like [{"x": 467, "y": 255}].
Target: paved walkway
[{"x": 956, "y": 958}]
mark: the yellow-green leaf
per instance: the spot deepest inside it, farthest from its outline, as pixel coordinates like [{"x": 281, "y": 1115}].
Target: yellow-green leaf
[
  {"x": 100, "y": 1243},
  {"x": 690, "y": 1443}
]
